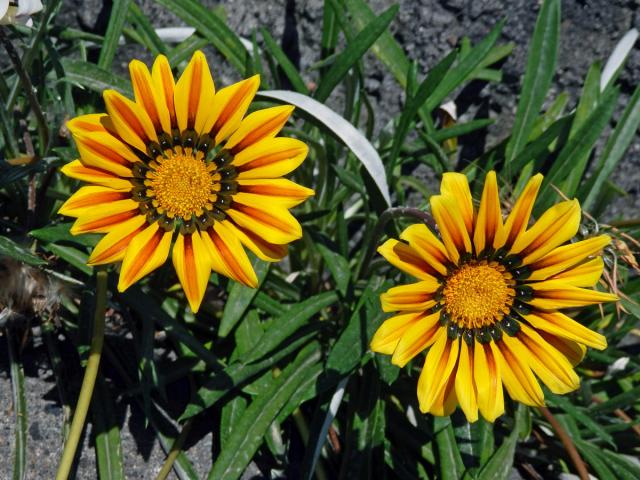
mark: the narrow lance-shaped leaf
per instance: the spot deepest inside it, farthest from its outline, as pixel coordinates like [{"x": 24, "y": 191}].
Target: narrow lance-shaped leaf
[
  {"x": 537, "y": 78},
  {"x": 343, "y": 130}
]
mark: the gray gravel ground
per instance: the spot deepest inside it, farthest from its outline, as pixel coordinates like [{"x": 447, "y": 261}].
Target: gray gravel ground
[{"x": 427, "y": 29}]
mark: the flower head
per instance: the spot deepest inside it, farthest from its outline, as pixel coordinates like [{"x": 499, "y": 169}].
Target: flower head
[
  {"x": 488, "y": 300},
  {"x": 183, "y": 162},
  {"x": 18, "y": 11}
]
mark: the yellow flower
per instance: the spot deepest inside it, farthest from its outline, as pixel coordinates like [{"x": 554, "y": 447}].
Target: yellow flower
[
  {"x": 184, "y": 158},
  {"x": 488, "y": 300}
]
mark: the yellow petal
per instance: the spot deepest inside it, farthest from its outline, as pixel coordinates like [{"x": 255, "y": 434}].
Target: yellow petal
[
  {"x": 404, "y": 257},
  {"x": 93, "y": 122},
  {"x": 106, "y": 217},
  {"x": 551, "y": 366},
  {"x": 227, "y": 255},
  {"x": 586, "y": 274},
  {"x": 555, "y": 226},
  {"x": 270, "y": 158},
  {"x": 489, "y": 220},
  {"x": 518, "y": 219},
  {"x": 555, "y": 294},
  {"x": 229, "y": 106},
  {"x": 427, "y": 245},
  {"x": 517, "y": 376},
  {"x": 90, "y": 197},
  {"x": 102, "y": 150},
  {"x": 257, "y": 126},
  {"x": 416, "y": 338},
  {"x": 146, "y": 252},
  {"x": 452, "y": 226},
  {"x": 194, "y": 93},
  {"x": 456, "y": 186},
  {"x": 386, "y": 338},
  {"x": 437, "y": 370},
  {"x": 164, "y": 85},
  {"x": 465, "y": 384},
  {"x": 97, "y": 176},
  {"x": 130, "y": 120},
  {"x": 413, "y": 297},
  {"x": 487, "y": 374},
  {"x": 193, "y": 266},
  {"x": 112, "y": 247},
  {"x": 567, "y": 256},
  {"x": 574, "y": 351},
  {"x": 447, "y": 400},
  {"x": 269, "y": 252},
  {"x": 558, "y": 324},
  {"x": 149, "y": 97},
  {"x": 274, "y": 223},
  {"x": 278, "y": 191}
]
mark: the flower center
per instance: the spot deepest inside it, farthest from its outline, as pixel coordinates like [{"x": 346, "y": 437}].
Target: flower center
[
  {"x": 182, "y": 186},
  {"x": 478, "y": 294}
]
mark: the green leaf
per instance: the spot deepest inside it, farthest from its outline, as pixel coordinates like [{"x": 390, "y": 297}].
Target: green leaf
[
  {"x": 386, "y": 48},
  {"x": 238, "y": 374},
  {"x": 338, "y": 266},
  {"x": 212, "y": 27},
  {"x": 60, "y": 233},
  {"x": 250, "y": 430},
  {"x": 117, "y": 18},
  {"x": 240, "y": 297},
  {"x": 613, "y": 151},
  {"x": 145, "y": 30},
  {"x": 95, "y": 78},
  {"x": 290, "y": 322},
  {"x": 537, "y": 78},
  {"x": 343, "y": 130},
  {"x": 461, "y": 129},
  {"x": 72, "y": 256},
  {"x": 581, "y": 416},
  {"x": 107, "y": 434},
  {"x": 582, "y": 143},
  {"x": 19, "y": 399},
  {"x": 11, "y": 249},
  {"x": 462, "y": 71},
  {"x": 231, "y": 414},
  {"x": 449, "y": 458},
  {"x": 354, "y": 51},
  {"x": 501, "y": 462},
  {"x": 283, "y": 61}
]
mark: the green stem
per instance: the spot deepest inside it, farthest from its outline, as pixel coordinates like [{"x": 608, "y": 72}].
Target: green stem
[
  {"x": 175, "y": 451},
  {"x": 89, "y": 380},
  {"x": 20, "y": 407}
]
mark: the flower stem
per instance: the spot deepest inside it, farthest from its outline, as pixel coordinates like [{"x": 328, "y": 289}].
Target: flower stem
[
  {"x": 175, "y": 451},
  {"x": 89, "y": 380},
  {"x": 567, "y": 443}
]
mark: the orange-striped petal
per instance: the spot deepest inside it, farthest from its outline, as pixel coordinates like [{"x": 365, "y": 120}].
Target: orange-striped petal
[
  {"x": 105, "y": 218},
  {"x": 427, "y": 245},
  {"x": 113, "y": 246},
  {"x": 555, "y": 294},
  {"x": 130, "y": 120},
  {"x": 586, "y": 274},
  {"x": 269, "y": 252},
  {"x": 193, "y": 95},
  {"x": 517, "y": 376},
  {"x": 97, "y": 176},
  {"x": 518, "y": 219},
  {"x": 270, "y": 158},
  {"x": 451, "y": 223},
  {"x": 437, "y": 370},
  {"x": 455, "y": 186},
  {"x": 274, "y": 223},
  {"x": 104, "y": 151},
  {"x": 227, "y": 255},
  {"x": 404, "y": 257},
  {"x": 278, "y": 191},
  {"x": 164, "y": 85},
  {"x": 465, "y": 384},
  {"x": 89, "y": 197},
  {"x": 489, "y": 220},
  {"x": 420, "y": 335},
  {"x": 487, "y": 374},
  {"x": 149, "y": 97},
  {"x": 560, "y": 325},
  {"x": 386, "y": 338},
  {"x": 257, "y": 126},
  {"x": 413, "y": 297},
  {"x": 193, "y": 266},
  {"x": 229, "y": 107},
  {"x": 147, "y": 251},
  {"x": 93, "y": 122}
]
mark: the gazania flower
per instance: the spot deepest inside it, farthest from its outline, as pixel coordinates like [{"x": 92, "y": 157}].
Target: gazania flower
[
  {"x": 183, "y": 163},
  {"x": 488, "y": 298}
]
